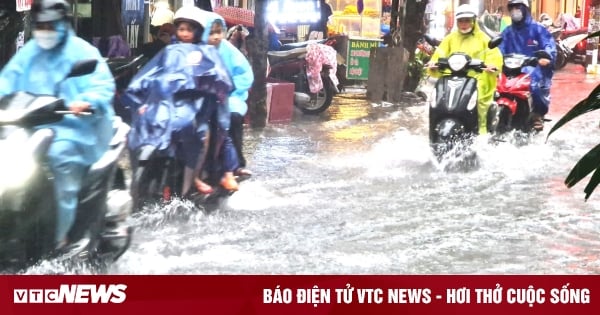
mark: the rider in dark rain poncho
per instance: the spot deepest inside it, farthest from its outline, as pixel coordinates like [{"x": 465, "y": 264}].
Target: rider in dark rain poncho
[
  {"x": 173, "y": 97},
  {"x": 525, "y": 36}
]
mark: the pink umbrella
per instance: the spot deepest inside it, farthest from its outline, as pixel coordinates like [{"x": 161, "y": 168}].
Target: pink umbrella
[{"x": 235, "y": 16}]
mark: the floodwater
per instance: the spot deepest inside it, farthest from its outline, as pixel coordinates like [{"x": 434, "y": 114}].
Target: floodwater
[{"x": 357, "y": 191}]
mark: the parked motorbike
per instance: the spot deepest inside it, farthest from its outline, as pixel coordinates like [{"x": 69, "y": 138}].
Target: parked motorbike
[
  {"x": 453, "y": 105},
  {"x": 27, "y": 206},
  {"x": 571, "y": 47},
  {"x": 513, "y": 95},
  {"x": 290, "y": 65}
]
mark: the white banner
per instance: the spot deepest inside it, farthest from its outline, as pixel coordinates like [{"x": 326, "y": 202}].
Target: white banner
[{"x": 24, "y": 5}]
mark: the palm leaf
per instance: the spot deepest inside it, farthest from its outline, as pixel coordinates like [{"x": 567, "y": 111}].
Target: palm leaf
[
  {"x": 592, "y": 184},
  {"x": 589, "y": 162},
  {"x": 594, "y": 34},
  {"x": 591, "y": 103}
]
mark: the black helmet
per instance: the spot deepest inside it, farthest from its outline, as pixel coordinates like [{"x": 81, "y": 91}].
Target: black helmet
[
  {"x": 515, "y": 2},
  {"x": 50, "y": 10}
]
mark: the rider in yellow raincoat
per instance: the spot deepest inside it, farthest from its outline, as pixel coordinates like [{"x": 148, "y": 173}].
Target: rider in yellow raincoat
[{"x": 469, "y": 39}]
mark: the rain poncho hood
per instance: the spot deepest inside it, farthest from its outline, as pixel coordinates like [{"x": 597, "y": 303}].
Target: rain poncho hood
[
  {"x": 175, "y": 82},
  {"x": 474, "y": 44},
  {"x": 236, "y": 63},
  {"x": 38, "y": 71}
]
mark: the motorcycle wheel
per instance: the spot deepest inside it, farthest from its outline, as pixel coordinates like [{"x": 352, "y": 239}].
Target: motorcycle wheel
[
  {"x": 320, "y": 101},
  {"x": 504, "y": 120},
  {"x": 561, "y": 61}
]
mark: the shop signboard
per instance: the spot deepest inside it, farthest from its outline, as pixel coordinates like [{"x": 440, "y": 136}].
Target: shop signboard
[
  {"x": 132, "y": 16},
  {"x": 24, "y": 5},
  {"x": 359, "y": 52}
]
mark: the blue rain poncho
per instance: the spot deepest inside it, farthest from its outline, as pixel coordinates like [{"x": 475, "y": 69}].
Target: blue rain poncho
[
  {"x": 236, "y": 63},
  {"x": 38, "y": 71},
  {"x": 527, "y": 37},
  {"x": 175, "y": 86}
]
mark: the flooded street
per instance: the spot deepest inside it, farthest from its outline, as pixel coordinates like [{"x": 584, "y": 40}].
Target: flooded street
[{"x": 357, "y": 191}]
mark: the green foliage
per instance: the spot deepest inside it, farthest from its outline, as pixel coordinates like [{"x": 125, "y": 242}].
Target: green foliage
[{"x": 591, "y": 160}]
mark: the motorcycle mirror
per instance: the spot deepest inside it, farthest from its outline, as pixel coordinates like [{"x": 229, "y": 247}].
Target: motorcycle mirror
[
  {"x": 542, "y": 54},
  {"x": 494, "y": 42},
  {"x": 83, "y": 67},
  {"x": 431, "y": 41},
  {"x": 80, "y": 68}
]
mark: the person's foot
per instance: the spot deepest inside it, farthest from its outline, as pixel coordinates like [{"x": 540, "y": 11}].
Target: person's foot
[
  {"x": 228, "y": 182},
  {"x": 243, "y": 172},
  {"x": 203, "y": 187},
  {"x": 537, "y": 122}
]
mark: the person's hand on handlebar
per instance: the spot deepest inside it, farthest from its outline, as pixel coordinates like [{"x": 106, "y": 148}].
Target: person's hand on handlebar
[
  {"x": 78, "y": 107},
  {"x": 431, "y": 65},
  {"x": 490, "y": 69},
  {"x": 543, "y": 62}
]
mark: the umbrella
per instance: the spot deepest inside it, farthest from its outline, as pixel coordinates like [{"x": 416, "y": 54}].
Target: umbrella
[{"x": 235, "y": 16}]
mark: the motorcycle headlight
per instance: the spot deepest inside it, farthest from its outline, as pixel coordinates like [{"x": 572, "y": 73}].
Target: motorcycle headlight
[
  {"x": 457, "y": 62},
  {"x": 513, "y": 63},
  {"x": 17, "y": 164}
]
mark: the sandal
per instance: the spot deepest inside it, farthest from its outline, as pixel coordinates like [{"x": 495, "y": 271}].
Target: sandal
[
  {"x": 203, "y": 187},
  {"x": 228, "y": 182},
  {"x": 537, "y": 122},
  {"x": 243, "y": 172}
]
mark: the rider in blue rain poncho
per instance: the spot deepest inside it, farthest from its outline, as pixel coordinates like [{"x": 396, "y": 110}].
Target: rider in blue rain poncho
[
  {"x": 79, "y": 140},
  {"x": 176, "y": 94},
  {"x": 241, "y": 73},
  {"x": 525, "y": 36}
]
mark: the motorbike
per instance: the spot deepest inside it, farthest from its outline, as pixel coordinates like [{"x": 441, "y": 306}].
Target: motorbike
[
  {"x": 513, "y": 96},
  {"x": 157, "y": 167},
  {"x": 571, "y": 47},
  {"x": 290, "y": 65},
  {"x": 157, "y": 177},
  {"x": 27, "y": 207},
  {"x": 453, "y": 103}
]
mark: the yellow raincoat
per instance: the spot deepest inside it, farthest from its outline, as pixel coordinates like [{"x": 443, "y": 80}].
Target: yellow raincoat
[{"x": 474, "y": 44}]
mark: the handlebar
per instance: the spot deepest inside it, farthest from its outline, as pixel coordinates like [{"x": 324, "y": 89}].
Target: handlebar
[{"x": 66, "y": 112}]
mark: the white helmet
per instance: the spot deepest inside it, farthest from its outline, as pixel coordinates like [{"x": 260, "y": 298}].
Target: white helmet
[
  {"x": 190, "y": 14},
  {"x": 465, "y": 11},
  {"x": 545, "y": 19},
  {"x": 162, "y": 14}
]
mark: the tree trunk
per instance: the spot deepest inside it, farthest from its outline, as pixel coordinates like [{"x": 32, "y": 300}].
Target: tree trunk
[
  {"x": 414, "y": 12},
  {"x": 257, "y": 53}
]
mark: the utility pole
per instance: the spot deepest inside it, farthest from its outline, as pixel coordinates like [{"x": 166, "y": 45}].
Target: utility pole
[{"x": 257, "y": 53}]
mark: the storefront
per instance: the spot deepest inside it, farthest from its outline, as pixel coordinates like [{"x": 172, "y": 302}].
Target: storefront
[{"x": 358, "y": 23}]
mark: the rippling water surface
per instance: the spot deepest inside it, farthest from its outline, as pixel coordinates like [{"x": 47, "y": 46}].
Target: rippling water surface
[{"x": 357, "y": 191}]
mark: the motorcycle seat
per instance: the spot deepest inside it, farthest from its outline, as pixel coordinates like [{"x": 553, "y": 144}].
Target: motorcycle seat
[
  {"x": 277, "y": 56},
  {"x": 578, "y": 31}
]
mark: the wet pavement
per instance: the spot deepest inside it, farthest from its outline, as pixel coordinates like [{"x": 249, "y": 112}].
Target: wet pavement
[{"x": 356, "y": 190}]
